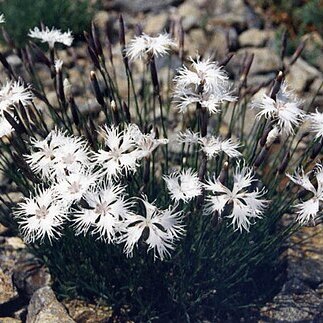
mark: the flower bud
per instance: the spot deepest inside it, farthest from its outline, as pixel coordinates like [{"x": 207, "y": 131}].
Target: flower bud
[{"x": 96, "y": 88}]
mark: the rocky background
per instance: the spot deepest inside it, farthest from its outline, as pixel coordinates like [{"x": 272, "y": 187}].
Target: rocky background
[{"x": 211, "y": 28}]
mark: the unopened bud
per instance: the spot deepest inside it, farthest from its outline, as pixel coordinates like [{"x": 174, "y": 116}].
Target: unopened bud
[
  {"x": 6, "y": 65},
  {"x": 96, "y": 88},
  {"x": 115, "y": 113},
  {"x": 277, "y": 84},
  {"x": 60, "y": 85},
  {"x": 109, "y": 48},
  {"x": 261, "y": 157},
  {"x": 224, "y": 173},
  {"x": 39, "y": 55},
  {"x": 272, "y": 136},
  {"x": 15, "y": 124},
  {"x": 126, "y": 111},
  {"x": 154, "y": 75},
  {"x": 282, "y": 167},
  {"x": 96, "y": 40},
  {"x": 298, "y": 52},
  {"x": 283, "y": 45},
  {"x": 264, "y": 136},
  {"x": 75, "y": 111},
  {"x": 67, "y": 88},
  {"x": 226, "y": 59},
  {"x": 93, "y": 57},
  {"x": 316, "y": 149},
  {"x": 58, "y": 65}
]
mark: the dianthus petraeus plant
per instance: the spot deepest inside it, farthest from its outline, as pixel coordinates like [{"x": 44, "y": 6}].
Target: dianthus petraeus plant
[{"x": 163, "y": 199}]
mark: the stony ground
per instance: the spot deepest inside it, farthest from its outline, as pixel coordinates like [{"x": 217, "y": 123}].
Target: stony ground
[{"x": 212, "y": 28}]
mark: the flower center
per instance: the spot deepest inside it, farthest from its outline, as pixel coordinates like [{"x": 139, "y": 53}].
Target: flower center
[
  {"x": 48, "y": 153},
  {"x": 102, "y": 208},
  {"x": 74, "y": 188},
  {"x": 41, "y": 213},
  {"x": 116, "y": 154},
  {"x": 68, "y": 159}
]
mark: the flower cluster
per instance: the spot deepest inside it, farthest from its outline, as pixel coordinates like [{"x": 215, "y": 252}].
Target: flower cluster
[
  {"x": 212, "y": 146},
  {"x": 84, "y": 190},
  {"x": 206, "y": 83}
]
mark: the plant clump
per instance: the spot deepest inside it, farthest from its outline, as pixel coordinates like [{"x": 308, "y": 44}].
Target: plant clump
[{"x": 163, "y": 201}]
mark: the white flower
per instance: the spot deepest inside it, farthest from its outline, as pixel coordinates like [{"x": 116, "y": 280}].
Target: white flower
[
  {"x": 285, "y": 111},
  {"x": 163, "y": 227},
  {"x": 70, "y": 157},
  {"x": 205, "y": 83},
  {"x": 316, "y": 120},
  {"x": 52, "y": 36},
  {"x": 5, "y": 127},
  {"x": 188, "y": 137},
  {"x": 309, "y": 210},
  {"x": 74, "y": 186},
  {"x": 183, "y": 185},
  {"x": 57, "y": 155},
  {"x": 106, "y": 207},
  {"x": 12, "y": 93},
  {"x": 2, "y": 19},
  {"x": 41, "y": 159},
  {"x": 41, "y": 216},
  {"x": 145, "y": 143},
  {"x": 246, "y": 206},
  {"x": 120, "y": 154},
  {"x": 144, "y": 45},
  {"x": 213, "y": 146}
]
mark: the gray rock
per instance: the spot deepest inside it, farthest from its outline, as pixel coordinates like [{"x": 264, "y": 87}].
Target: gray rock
[
  {"x": 190, "y": 22},
  {"x": 100, "y": 19},
  {"x": 218, "y": 43},
  {"x": 89, "y": 107},
  {"x": 305, "y": 259},
  {"x": 3, "y": 229},
  {"x": 82, "y": 311},
  {"x": 254, "y": 37},
  {"x": 222, "y": 40},
  {"x": 9, "y": 320},
  {"x": 233, "y": 13},
  {"x": 302, "y": 75},
  {"x": 197, "y": 39},
  {"x": 314, "y": 48},
  {"x": 190, "y": 14},
  {"x": 44, "y": 307},
  {"x": 139, "y": 5},
  {"x": 265, "y": 61},
  {"x": 316, "y": 86},
  {"x": 155, "y": 23},
  {"x": 229, "y": 20},
  {"x": 29, "y": 275},
  {"x": 295, "y": 303},
  {"x": 7, "y": 289}
]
